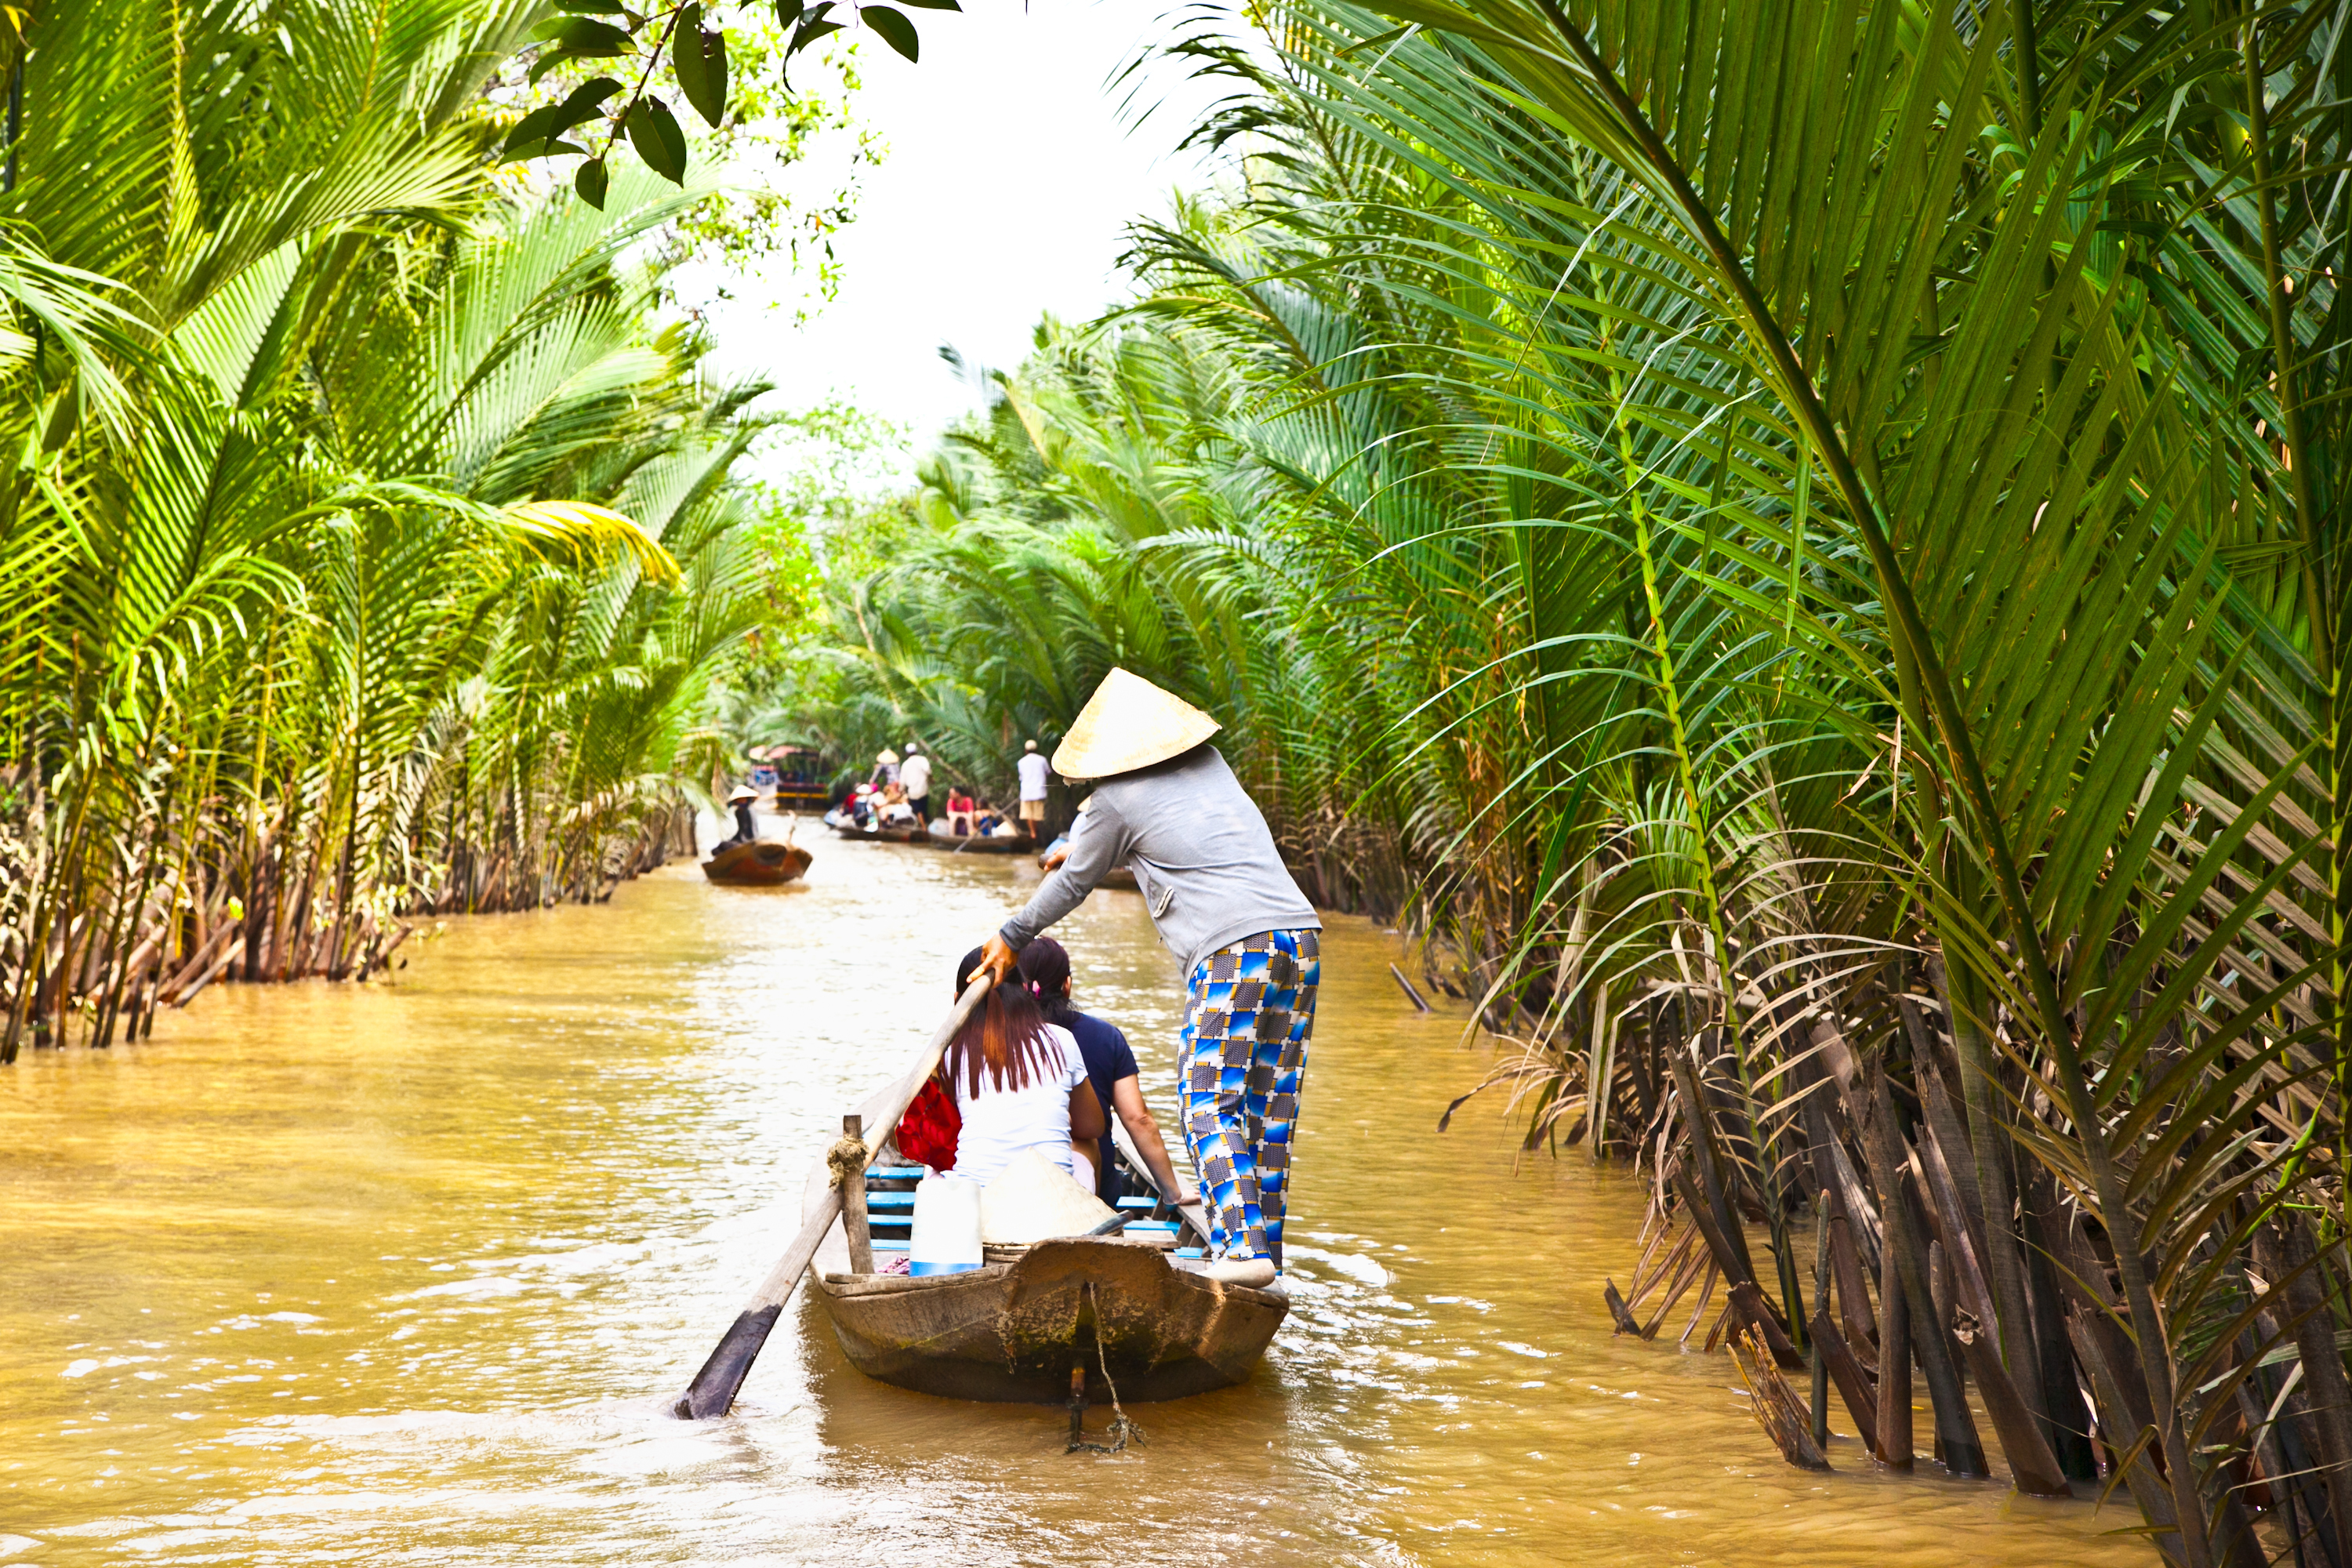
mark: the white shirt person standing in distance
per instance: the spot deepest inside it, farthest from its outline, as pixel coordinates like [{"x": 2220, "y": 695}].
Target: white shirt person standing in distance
[
  {"x": 915, "y": 777},
  {"x": 1033, "y": 774}
]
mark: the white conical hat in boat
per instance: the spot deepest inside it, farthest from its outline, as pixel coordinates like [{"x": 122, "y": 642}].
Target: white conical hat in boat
[
  {"x": 1035, "y": 1199},
  {"x": 1129, "y": 723}
]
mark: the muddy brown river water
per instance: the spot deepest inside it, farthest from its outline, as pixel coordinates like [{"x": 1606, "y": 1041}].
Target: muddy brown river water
[{"x": 410, "y": 1273}]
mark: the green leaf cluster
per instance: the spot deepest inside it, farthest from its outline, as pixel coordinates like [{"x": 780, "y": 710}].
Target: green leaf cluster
[
  {"x": 1810, "y": 540},
  {"x": 369, "y": 540}
]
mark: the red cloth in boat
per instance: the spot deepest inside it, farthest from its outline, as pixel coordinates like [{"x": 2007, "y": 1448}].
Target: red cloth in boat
[{"x": 928, "y": 1133}]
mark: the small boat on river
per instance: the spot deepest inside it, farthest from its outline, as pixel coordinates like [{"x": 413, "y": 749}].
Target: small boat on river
[
  {"x": 1067, "y": 1318},
  {"x": 1036, "y": 1324},
  {"x": 757, "y": 865},
  {"x": 973, "y": 844},
  {"x": 849, "y": 829}
]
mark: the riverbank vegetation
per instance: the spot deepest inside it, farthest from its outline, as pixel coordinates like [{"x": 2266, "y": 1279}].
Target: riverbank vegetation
[
  {"x": 369, "y": 532},
  {"x": 1803, "y": 550}
]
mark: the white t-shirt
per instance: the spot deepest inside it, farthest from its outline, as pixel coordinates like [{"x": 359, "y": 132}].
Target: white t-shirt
[
  {"x": 915, "y": 775},
  {"x": 1033, "y": 776},
  {"x": 999, "y": 1124}
]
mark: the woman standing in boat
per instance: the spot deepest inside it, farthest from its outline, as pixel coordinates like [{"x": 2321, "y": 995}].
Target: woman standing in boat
[{"x": 1166, "y": 806}]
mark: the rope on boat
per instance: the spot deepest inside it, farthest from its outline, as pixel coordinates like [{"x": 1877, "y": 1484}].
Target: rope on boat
[
  {"x": 847, "y": 1159},
  {"x": 1121, "y": 1431}
]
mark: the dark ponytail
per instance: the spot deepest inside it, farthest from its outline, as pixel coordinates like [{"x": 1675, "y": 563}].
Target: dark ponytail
[{"x": 1046, "y": 971}]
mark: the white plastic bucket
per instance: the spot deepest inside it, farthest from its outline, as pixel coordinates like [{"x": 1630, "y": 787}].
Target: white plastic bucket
[{"x": 946, "y": 1239}]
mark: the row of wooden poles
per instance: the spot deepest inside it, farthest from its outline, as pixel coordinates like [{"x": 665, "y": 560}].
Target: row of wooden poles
[
  {"x": 137, "y": 943},
  {"x": 1906, "y": 1279}
]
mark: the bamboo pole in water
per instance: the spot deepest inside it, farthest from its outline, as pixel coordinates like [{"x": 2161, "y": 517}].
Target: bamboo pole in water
[
  {"x": 1894, "y": 1437},
  {"x": 1956, "y": 1432}
]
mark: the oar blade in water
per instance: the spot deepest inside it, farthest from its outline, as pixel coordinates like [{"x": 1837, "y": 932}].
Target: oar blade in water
[
  {"x": 712, "y": 1392},
  {"x": 714, "y": 1388}
]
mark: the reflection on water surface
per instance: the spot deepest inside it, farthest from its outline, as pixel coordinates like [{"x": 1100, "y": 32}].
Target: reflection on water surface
[{"x": 410, "y": 1273}]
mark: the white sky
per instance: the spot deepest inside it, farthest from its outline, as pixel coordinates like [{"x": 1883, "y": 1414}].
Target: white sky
[{"x": 1010, "y": 175}]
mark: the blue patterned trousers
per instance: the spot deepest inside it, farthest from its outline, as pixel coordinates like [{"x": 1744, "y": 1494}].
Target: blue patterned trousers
[{"x": 1240, "y": 1061}]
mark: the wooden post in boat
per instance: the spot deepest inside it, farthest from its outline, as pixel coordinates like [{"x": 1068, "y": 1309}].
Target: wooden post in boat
[
  {"x": 713, "y": 1390},
  {"x": 854, "y": 1222}
]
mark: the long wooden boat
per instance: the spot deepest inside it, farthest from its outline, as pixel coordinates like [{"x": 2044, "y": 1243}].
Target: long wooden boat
[
  {"x": 882, "y": 834},
  {"x": 975, "y": 845},
  {"x": 1019, "y": 1327},
  {"x": 758, "y": 864}
]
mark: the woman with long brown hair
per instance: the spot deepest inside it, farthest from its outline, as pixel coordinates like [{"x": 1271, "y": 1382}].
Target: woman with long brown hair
[{"x": 1018, "y": 1082}]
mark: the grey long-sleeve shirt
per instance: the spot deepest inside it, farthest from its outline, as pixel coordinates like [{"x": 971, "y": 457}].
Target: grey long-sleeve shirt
[{"x": 1202, "y": 854}]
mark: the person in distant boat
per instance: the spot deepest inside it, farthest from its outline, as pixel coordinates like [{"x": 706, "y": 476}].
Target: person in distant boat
[
  {"x": 1166, "y": 806},
  {"x": 738, "y": 800},
  {"x": 1033, "y": 772},
  {"x": 886, "y": 768},
  {"x": 915, "y": 778},
  {"x": 1018, "y": 1082},
  {"x": 961, "y": 811},
  {"x": 896, "y": 811},
  {"x": 1110, "y": 1068}
]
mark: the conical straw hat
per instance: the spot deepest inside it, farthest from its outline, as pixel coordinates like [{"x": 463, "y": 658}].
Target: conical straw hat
[
  {"x": 1129, "y": 723},
  {"x": 1033, "y": 1199}
]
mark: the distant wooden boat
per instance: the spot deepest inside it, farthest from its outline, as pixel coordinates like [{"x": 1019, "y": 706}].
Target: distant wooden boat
[
  {"x": 973, "y": 844},
  {"x": 881, "y": 835},
  {"x": 757, "y": 865},
  {"x": 1015, "y": 1330}
]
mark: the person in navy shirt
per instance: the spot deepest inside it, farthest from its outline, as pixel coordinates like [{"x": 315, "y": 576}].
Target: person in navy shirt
[{"x": 1110, "y": 1066}]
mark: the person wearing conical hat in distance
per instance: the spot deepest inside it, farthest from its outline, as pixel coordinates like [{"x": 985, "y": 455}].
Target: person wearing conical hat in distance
[
  {"x": 1166, "y": 806},
  {"x": 886, "y": 768},
  {"x": 738, "y": 800}
]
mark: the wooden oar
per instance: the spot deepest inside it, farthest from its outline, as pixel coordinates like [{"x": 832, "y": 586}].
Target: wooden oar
[{"x": 714, "y": 1388}]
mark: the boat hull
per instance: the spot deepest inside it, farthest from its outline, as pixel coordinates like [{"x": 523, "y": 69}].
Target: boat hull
[
  {"x": 977, "y": 846},
  {"x": 883, "y": 835},
  {"x": 1012, "y": 1333},
  {"x": 760, "y": 865}
]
